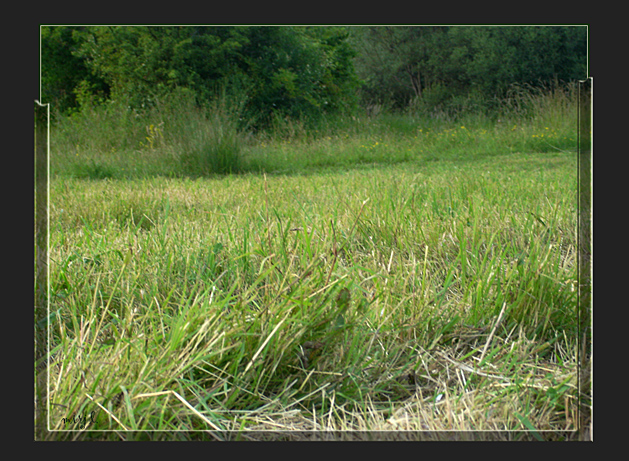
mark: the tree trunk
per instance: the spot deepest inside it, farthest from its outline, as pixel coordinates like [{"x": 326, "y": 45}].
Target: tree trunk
[{"x": 415, "y": 78}]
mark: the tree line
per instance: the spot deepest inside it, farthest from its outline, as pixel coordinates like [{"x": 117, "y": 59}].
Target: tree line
[{"x": 306, "y": 71}]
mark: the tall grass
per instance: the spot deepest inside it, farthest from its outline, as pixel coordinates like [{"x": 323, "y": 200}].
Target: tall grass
[
  {"x": 175, "y": 137},
  {"x": 178, "y": 138},
  {"x": 529, "y": 120}
]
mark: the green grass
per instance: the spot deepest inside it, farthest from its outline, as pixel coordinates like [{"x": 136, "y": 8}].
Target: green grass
[
  {"x": 174, "y": 138},
  {"x": 189, "y": 304},
  {"x": 178, "y": 139},
  {"x": 370, "y": 273},
  {"x": 392, "y": 145}
]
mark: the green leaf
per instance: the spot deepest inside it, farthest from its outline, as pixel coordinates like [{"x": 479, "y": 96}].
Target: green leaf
[
  {"x": 525, "y": 421},
  {"x": 343, "y": 299},
  {"x": 339, "y": 322}
]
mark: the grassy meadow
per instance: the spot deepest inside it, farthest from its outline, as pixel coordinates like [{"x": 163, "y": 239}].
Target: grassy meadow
[{"x": 373, "y": 273}]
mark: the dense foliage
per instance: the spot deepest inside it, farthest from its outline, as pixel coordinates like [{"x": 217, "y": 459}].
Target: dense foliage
[
  {"x": 441, "y": 66},
  {"x": 293, "y": 71},
  {"x": 304, "y": 72}
]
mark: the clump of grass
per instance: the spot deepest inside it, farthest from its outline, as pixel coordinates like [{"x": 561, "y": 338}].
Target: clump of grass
[
  {"x": 205, "y": 140},
  {"x": 175, "y": 137}
]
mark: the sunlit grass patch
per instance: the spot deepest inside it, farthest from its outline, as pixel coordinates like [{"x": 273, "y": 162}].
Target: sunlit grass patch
[{"x": 419, "y": 296}]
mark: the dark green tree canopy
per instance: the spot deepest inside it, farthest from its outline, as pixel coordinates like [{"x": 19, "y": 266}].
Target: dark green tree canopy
[
  {"x": 398, "y": 64},
  {"x": 304, "y": 71},
  {"x": 297, "y": 71}
]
